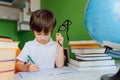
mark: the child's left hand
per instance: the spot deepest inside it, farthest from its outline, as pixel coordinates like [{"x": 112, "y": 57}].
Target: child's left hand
[{"x": 59, "y": 38}]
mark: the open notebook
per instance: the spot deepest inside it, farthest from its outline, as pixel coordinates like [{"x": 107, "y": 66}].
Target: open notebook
[{"x": 55, "y": 71}]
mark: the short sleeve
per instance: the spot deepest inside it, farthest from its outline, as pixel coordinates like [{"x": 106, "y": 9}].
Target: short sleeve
[{"x": 23, "y": 54}]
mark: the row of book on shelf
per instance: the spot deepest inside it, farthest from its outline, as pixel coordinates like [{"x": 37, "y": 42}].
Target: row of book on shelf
[
  {"x": 90, "y": 55},
  {"x": 8, "y": 49}
]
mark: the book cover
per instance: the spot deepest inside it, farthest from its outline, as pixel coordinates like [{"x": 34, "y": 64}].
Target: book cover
[
  {"x": 91, "y": 55},
  {"x": 88, "y": 50},
  {"x": 4, "y": 38},
  {"x": 92, "y": 62},
  {"x": 84, "y": 44},
  {"x": 8, "y": 75},
  {"x": 9, "y": 44},
  {"x": 113, "y": 45},
  {"x": 94, "y": 57},
  {"x": 7, "y": 54},
  {"x": 7, "y": 65},
  {"x": 86, "y": 68}
]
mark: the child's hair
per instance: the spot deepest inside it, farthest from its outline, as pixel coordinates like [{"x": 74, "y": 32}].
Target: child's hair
[{"x": 42, "y": 20}]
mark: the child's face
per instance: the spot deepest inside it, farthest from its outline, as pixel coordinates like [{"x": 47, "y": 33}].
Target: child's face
[{"x": 42, "y": 37}]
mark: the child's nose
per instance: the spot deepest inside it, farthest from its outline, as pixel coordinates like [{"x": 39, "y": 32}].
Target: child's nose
[{"x": 42, "y": 37}]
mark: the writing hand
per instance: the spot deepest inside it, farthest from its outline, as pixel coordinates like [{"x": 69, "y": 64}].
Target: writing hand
[{"x": 33, "y": 68}]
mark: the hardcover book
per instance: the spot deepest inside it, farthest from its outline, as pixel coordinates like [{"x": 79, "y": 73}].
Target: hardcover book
[
  {"x": 86, "y": 68},
  {"x": 7, "y": 59},
  {"x": 7, "y": 65},
  {"x": 7, "y": 54},
  {"x": 88, "y": 50},
  {"x": 94, "y": 57},
  {"x": 9, "y": 44},
  {"x": 92, "y": 62},
  {"x": 7, "y": 75},
  {"x": 84, "y": 44},
  {"x": 91, "y": 55}
]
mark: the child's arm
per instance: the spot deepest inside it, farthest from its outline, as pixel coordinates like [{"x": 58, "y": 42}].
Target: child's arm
[
  {"x": 21, "y": 66},
  {"x": 60, "y": 55}
]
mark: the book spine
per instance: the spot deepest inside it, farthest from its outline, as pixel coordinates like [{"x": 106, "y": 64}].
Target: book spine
[
  {"x": 92, "y": 63},
  {"x": 94, "y": 58}
]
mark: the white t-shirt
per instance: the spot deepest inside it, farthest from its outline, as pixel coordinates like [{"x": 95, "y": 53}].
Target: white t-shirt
[{"x": 43, "y": 55}]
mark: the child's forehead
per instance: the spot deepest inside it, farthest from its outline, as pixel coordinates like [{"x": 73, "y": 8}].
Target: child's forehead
[{"x": 42, "y": 32}]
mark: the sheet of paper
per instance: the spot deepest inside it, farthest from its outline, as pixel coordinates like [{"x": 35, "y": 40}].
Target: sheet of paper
[
  {"x": 55, "y": 71},
  {"x": 79, "y": 75}
]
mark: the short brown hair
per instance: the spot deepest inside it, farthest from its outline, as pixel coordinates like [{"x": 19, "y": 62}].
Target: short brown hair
[{"x": 42, "y": 20}]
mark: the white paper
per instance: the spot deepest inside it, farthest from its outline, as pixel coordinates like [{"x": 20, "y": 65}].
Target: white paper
[{"x": 55, "y": 71}]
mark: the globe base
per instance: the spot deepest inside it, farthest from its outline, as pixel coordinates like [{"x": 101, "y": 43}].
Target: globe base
[{"x": 111, "y": 76}]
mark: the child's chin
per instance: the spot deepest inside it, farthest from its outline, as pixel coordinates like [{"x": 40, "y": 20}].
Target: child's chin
[{"x": 42, "y": 43}]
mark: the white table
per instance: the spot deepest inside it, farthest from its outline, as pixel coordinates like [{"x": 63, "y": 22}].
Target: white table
[{"x": 81, "y": 75}]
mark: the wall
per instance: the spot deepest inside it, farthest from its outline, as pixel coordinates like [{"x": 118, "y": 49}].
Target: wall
[
  {"x": 69, "y": 9},
  {"x": 63, "y": 9},
  {"x": 8, "y": 28},
  {"x": 24, "y": 36}
]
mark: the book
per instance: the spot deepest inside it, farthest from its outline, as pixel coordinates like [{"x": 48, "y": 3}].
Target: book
[
  {"x": 92, "y": 62},
  {"x": 4, "y": 38},
  {"x": 93, "y": 57},
  {"x": 88, "y": 50},
  {"x": 86, "y": 68},
  {"x": 7, "y": 65},
  {"x": 7, "y": 54},
  {"x": 7, "y": 59},
  {"x": 84, "y": 44},
  {"x": 7, "y": 75},
  {"x": 9, "y": 44},
  {"x": 113, "y": 45}
]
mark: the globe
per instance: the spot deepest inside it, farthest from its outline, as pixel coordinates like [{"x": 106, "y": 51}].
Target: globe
[{"x": 102, "y": 20}]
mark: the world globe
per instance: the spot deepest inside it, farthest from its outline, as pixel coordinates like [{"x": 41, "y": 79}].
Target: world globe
[{"x": 102, "y": 20}]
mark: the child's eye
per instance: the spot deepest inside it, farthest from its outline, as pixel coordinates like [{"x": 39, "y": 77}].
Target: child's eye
[
  {"x": 46, "y": 34},
  {"x": 38, "y": 34}
]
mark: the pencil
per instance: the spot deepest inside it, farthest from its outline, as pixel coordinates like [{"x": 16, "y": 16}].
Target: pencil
[{"x": 29, "y": 57}]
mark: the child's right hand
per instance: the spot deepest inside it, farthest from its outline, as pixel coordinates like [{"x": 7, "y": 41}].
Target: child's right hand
[{"x": 33, "y": 68}]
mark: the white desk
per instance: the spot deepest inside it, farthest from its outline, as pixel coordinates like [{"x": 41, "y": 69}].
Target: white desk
[{"x": 82, "y": 75}]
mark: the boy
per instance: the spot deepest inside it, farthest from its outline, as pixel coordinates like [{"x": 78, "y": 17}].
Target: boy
[{"x": 42, "y": 49}]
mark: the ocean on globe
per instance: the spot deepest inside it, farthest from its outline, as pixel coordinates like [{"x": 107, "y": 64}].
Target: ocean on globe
[{"x": 102, "y": 20}]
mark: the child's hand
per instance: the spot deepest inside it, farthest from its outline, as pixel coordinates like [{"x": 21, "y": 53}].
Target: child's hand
[
  {"x": 33, "y": 68},
  {"x": 59, "y": 38}
]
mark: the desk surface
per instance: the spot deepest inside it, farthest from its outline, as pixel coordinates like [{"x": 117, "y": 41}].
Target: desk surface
[{"x": 81, "y": 75}]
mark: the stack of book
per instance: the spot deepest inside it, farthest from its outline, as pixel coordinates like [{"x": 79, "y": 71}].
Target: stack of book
[
  {"x": 7, "y": 59},
  {"x": 90, "y": 55}
]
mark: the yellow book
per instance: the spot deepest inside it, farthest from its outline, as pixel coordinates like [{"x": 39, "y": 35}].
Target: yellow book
[
  {"x": 9, "y": 44},
  {"x": 7, "y": 65},
  {"x": 8, "y": 75},
  {"x": 84, "y": 44},
  {"x": 7, "y": 54}
]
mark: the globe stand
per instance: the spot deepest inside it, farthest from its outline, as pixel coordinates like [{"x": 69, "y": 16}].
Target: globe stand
[{"x": 111, "y": 76}]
